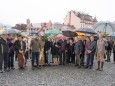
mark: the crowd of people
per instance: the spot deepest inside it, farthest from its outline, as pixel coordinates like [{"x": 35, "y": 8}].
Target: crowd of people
[{"x": 79, "y": 51}]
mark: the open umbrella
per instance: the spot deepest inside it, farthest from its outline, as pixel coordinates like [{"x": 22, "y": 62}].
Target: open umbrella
[
  {"x": 24, "y": 34},
  {"x": 104, "y": 27},
  {"x": 1, "y": 31},
  {"x": 11, "y": 31},
  {"x": 69, "y": 33},
  {"x": 80, "y": 33},
  {"x": 86, "y": 30},
  {"x": 33, "y": 32},
  {"x": 53, "y": 31},
  {"x": 59, "y": 36},
  {"x": 112, "y": 34}
]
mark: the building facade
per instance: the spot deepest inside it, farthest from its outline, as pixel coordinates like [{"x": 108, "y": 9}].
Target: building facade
[{"x": 79, "y": 19}]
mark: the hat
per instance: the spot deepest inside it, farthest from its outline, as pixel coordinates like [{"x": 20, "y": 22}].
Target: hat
[{"x": 19, "y": 35}]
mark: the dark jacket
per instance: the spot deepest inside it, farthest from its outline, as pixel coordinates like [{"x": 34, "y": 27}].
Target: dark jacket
[
  {"x": 11, "y": 46},
  {"x": 4, "y": 44},
  {"x": 113, "y": 48},
  {"x": 1, "y": 47},
  {"x": 55, "y": 50},
  {"x": 47, "y": 45},
  {"x": 70, "y": 48},
  {"x": 78, "y": 48},
  {"x": 109, "y": 45},
  {"x": 18, "y": 45},
  {"x": 92, "y": 46},
  {"x": 83, "y": 44},
  {"x": 63, "y": 42},
  {"x": 35, "y": 45}
]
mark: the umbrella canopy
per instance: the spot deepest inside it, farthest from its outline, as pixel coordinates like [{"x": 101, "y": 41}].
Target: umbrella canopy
[
  {"x": 1, "y": 31},
  {"x": 80, "y": 33},
  {"x": 59, "y": 36},
  {"x": 53, "y": 31},
  {"x": 24, "y": 33},
  {"x": 33, "y": 32},
  {"x": 11, "y": 31},
  {"x": 86, "y": 30},
  {"x": 69, "y": 33},
  {"x": 112, "y": 34},
  {"x": 104, "y": 27}
]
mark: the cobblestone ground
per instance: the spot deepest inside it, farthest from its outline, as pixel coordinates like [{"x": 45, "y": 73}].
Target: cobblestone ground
[{"x": 60, "y": 76}]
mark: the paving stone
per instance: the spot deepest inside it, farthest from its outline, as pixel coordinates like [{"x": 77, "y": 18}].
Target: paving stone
[{"x": 67, "y": 75}]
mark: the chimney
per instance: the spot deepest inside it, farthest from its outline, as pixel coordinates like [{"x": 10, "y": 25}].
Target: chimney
[{"x": 70, "y": 18}]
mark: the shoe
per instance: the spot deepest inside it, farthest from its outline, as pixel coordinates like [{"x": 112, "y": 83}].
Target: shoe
[
  {"x": 76, "y": 65},
  {"x": 113, "y": 62},
  {"x": 32, "y": 68},
  {"x": 101, "y": 69},
  {"x": 12, "y": 68},
  {"x": 7, "y": 70},
  {"x": 22, "y": 68},
  {"x": 35, "y": 65},
  {"x": 107, "y": 60},
  {"x": 39, "y": 67},
  {"x": 98, "y": 63},
  {"x": 1, "y": 71},
  {"x": 90, "y": 67},
  {"x": 79, "y": 66},
  {"x": 86, "y": 67},
  {"x": 97, "y": 69}
]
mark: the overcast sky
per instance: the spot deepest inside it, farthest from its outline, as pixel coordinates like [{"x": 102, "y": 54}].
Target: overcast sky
[{"x": 17, "y": 11}]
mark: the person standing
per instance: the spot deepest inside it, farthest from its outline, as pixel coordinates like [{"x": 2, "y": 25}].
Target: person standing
[
  {"x": 41, "y": 57},
  {"x": 70, "y": 52},
  {"x": 20, "y": 49},
  {"x": 62, "y": 57},
  {"x": 26, "y": 53},
  {"x": 83, "y": 50},
  {"x": 55, "y": 51},
  {"x": 4, "y": 53},
  {"x": 100, "y": 52},
  {"x": 114, "y": 53},
  {"x": 108, "y": 48},
  {"x": 91, "y": 52},
  {"x": 10, "y": 52},
  {"x": 1, "y": 55},
  {"x": 47, "y": 51},
  {"x": 86, "y": 47},
  {"x": 78, "y": 48},
  {"x": 35, "y": 49}
]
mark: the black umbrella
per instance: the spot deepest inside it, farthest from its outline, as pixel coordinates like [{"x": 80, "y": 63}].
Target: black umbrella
[
  {"x": 104, "y": 27},
  {"x": 69, "y": 33},
  {"x": 86, "y": 30}
]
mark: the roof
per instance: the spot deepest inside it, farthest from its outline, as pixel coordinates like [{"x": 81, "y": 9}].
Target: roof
[
  {"x": 62, "y": 26},
  {"x": 85, "y": 16}
]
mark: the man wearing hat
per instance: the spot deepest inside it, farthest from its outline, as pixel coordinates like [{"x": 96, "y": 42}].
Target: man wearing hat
[{"x": 20, "y": 49}]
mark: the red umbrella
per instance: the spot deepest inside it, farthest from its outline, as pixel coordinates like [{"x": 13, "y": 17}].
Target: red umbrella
[{"x": 59, "y": 36}]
